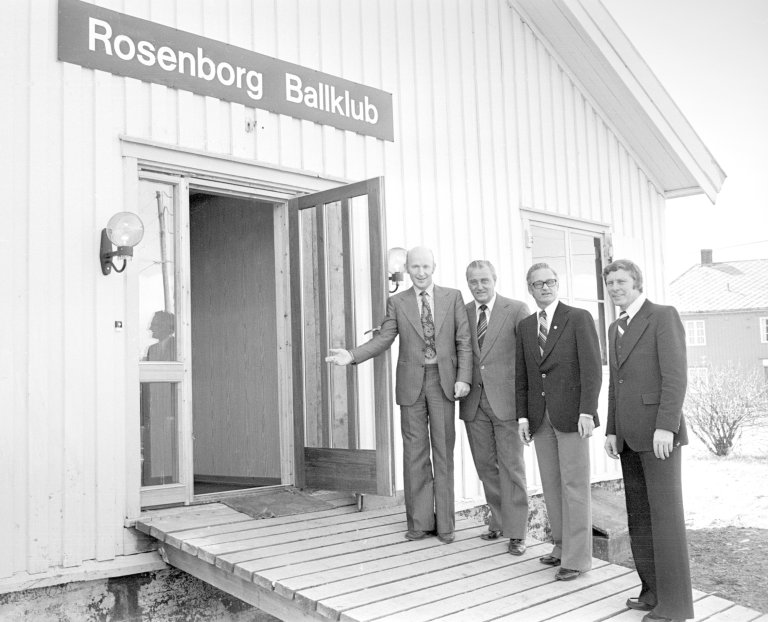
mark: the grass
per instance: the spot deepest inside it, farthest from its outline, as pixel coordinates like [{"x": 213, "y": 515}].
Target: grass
[{"x": 726, "y": 507}]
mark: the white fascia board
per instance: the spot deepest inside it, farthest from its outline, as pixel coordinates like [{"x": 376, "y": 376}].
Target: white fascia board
[
  {"x": 626, "y": 61},
  {"x": 586, "y": 39}
]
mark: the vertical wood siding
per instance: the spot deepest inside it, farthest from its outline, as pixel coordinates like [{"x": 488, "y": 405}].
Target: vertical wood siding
[{"x": 487, "y": 120}]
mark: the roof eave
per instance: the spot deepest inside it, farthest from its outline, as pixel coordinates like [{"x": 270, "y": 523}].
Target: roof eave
[{"x": 588, "y": 41}]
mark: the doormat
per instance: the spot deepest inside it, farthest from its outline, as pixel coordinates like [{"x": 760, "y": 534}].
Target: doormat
[{"x": 287, "y": 501}]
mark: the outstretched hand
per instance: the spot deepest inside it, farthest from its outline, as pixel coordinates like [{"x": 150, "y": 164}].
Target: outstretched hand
[{"x": 338, "y": 356}]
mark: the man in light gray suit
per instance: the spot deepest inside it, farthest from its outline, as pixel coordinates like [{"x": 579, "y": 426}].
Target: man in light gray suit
[
  {"x": 434, "y": 368},
  {"x": 489, "y": 409}
]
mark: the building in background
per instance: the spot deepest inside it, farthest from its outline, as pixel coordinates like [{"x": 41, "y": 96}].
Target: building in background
[
  {"x": 724, "y": 306},
  {"x": 274, "y": 152}
]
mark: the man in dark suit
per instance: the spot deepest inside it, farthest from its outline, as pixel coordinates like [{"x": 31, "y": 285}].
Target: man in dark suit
[
  {"x": 646, "y": 430},
  {"x": 489, "y": 409},
  {"x": 434, "y": 368},
  {"x": 559, "y": 373}
]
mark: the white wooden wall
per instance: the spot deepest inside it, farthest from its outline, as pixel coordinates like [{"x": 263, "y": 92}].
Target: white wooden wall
[{"x": 487, "y": 121}]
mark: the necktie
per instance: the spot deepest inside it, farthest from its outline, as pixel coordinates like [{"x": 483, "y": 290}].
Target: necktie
[
  {"x": 621, "y": 326},
  {"x": 428, "y": 326},
  {"x": 542, "y": 330},
  {"x": 482, "y": 326}
]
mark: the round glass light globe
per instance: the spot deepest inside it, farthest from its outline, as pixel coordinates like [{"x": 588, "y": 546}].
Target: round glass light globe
[{"x": 125, "y": 229}]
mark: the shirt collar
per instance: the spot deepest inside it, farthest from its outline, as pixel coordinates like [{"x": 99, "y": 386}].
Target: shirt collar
[
  {"x": 634, "y": 307},
  {"x": 487, "y": 304},
  {"x": 430, "y": 291},
  {"x": 550, "y": 309}
]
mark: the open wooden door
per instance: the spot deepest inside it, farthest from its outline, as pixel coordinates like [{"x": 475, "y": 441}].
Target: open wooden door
[{"x": 342, "y": 415}]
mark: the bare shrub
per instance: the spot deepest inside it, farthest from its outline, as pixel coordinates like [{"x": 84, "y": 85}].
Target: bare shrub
[{"x": 719, "y": 405}]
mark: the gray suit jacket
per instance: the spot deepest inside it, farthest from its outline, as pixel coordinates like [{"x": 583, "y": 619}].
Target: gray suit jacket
[
  {"x": 452, "y": 342},
  {"x": 493, "y": 367},
  {"x": 648, "y": 378}
]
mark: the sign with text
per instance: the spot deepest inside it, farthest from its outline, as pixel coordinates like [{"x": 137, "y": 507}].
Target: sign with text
[{"x": 98, "y": 38}]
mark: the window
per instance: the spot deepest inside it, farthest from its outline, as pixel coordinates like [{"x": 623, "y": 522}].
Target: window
[
  {"x": 577, "y": 257},
  {"x": 764, "y": 330},
  {"x": 695, "y": 334}
]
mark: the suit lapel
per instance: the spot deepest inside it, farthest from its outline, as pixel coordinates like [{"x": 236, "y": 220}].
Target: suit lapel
[
  {"x": 411, "y": 308},
  {"x": 440, "y": 308},
  {"x": 498, "y": 317},
  {"x": 556, "y": 326},
  {"x": 531, "y": 335},
  {"x": 634, "y": 331},
  {"x": 472, "y": 317}
]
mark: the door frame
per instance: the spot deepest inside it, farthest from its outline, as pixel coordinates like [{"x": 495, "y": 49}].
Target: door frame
[{"x": 217, "y": 174}]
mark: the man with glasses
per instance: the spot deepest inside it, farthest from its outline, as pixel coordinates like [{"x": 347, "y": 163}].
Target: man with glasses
[{"x": 558, "y": 378}]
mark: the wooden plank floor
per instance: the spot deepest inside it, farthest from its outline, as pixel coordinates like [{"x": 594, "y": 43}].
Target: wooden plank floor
[{"x": 350, "y": 566}]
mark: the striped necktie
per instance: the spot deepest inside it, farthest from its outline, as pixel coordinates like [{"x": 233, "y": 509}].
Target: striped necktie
[
  {"x": 621, "y": 326},
  {"x": 542, "y": 330},
  {"x": 482, "y": 326}
]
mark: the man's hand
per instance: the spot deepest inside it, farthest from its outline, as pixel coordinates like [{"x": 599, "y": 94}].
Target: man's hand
[
  {"x": 338, "y": 356},
  {"x": 663, "y": 443},
  {"x": 460, "y": 389},
  {"x": 586, "y": 425},
  {"x": 524, "y": 432},
  {"x": 611, "y": 446}
]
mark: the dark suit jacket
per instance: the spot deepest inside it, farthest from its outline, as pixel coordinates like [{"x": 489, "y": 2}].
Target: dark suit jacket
[
  {"x": 648, "y": 378},
  {"x": 566, "y": 379},
  {"x": 452, "y": 342},
  {"x": 494, "y": 366}
]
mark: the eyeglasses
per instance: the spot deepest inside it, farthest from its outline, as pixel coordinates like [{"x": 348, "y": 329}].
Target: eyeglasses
[{"x": 540, "y": 284}]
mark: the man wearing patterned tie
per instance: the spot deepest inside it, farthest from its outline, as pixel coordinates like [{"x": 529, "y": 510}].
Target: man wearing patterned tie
[
  {"x": 489, "y": 409},
  {"x": 558, "y": 378},
  {"x": 646, "y": 430},
  {"x": 434, "y": 369}
]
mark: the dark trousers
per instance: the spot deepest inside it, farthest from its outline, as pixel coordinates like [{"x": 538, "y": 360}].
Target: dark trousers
[
  {"x": 656, "y": 520},
  {"x": 429, "y": 422}
]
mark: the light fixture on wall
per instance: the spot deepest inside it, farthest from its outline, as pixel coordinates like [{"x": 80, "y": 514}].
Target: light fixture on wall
[
  {"x": 396, "y": 258},
  {"x": 125, "y": 231}
]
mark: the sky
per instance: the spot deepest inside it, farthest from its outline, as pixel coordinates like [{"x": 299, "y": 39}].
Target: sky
[{"x": 712, "y": 58}]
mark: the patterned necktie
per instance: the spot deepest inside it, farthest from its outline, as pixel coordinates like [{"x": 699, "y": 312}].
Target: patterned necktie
[
  {"x": 621, "y": 326},
  {"x": 482, "y": 326},
  {"x": 428, "y": 326},
  {"x": 542, "y": 330}
]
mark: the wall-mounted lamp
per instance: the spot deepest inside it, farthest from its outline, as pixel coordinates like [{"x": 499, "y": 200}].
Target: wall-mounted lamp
[
  {"x": 125, "y": 231},
  {"x": 396, "y": 258}
]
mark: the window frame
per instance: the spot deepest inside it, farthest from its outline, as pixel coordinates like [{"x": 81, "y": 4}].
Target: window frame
[
  {"x": 693, "y": 336},
  {"x": 763, "y": 323},
  {"x": 569, "y": 225}
]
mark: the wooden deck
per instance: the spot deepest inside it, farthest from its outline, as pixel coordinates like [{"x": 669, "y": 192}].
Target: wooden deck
[{"x": 341, "y": 564}]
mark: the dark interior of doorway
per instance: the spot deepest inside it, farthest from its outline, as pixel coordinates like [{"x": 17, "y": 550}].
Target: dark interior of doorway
[{"x": 234, "y": 344}]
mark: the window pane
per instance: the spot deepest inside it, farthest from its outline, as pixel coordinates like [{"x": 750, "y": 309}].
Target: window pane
[
  {"x": 549, "y": 247},
  {"x": 585, "y": 259},
  {"x": 159, "y": 433},
  {"x": 155, "y": 256}
]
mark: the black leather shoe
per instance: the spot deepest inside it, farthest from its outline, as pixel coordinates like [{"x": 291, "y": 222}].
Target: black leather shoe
[
  {"x": 549, "y": 560},
  {"x": 516, "y": 546},
  {"x": 566, "y": 574},
  {"x": 446, "y": 538},
  {"x": 491, "y": 534},
  {"x": 638, "y": 605},
  {"x": 415, "y": 534},
  {"x": 652, "y": 617}
]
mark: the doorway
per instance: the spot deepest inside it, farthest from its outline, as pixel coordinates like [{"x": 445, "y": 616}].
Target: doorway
[{"x": 234, "y": 352}]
